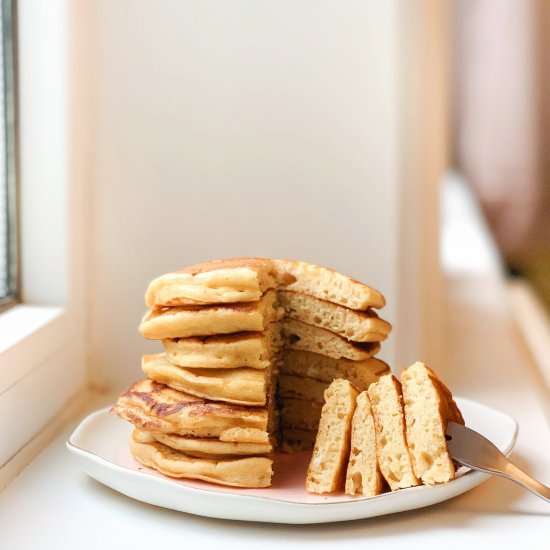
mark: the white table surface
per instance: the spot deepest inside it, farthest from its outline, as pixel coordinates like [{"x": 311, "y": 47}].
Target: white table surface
[{"x": 54, "y": 505}]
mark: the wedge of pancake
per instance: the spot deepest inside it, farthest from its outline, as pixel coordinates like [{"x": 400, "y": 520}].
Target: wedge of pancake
[
  {"x": 320, "y": 367},
  {"x": 429, "y": 405},
  {"x": 241, "y": 349},
  {"x": 304, "y": 337},
  {"x": 186, "y": 321},
  {"x": 326, "y": 284},
  {"x": 151, "y": 406},
  {"x": 358, "y": 326},
  {"x": 204, "y": 447},
  {"x": 394, "y": 457},
  {"x": 329, "y": 461},
  {"x": 236, "y": 472},
  {"x": 222, "y": 281},
  {"x": 363, "y": 475}
]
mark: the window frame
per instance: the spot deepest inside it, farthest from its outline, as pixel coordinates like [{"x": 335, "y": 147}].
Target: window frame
[
  {"x": 10, "y": 84},
  {"x": 43, "y": 338}
]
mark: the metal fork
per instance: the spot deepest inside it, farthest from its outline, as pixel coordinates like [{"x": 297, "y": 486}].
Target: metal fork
[{"x": 473, "y": 450}]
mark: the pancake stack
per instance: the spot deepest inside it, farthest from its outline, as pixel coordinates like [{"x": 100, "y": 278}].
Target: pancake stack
[{"x": 234, "y": 331}]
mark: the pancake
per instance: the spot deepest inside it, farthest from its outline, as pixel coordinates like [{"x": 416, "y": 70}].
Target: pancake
[
  {"x": 239, "y": 472},
  {"x": 429, "y": 405},
  {"x": 299, "y": 413},
  {"x": 363, "y": 475},
  {"x": 221, "y": 281},
  {"x": 242, "y": 349},
  {"x": 295, "y": 440},
  {"x": 358, "y": 326},
  {"x": 326, "y": 284},
  {"x": 155, "y": 407},
  {"x": 241, "y": 386},
  {"x": 300, "y": 336},
  {"x": 393, "y": 453},
  {"x": 204, "y": 447},
  {"x": 185, "y": 321},
  {"x": 326, "y": 369},
  {"x": 329, "y": 460}
]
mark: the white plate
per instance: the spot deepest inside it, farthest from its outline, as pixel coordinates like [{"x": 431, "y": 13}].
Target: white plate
[{"x": 100, "y": 445}]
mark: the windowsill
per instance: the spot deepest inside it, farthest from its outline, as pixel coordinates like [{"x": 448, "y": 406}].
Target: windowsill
[
  {"x": 487, "y": 362},
  {"x": 28, "y": 334},
  {"x": 22, "y": 320}
]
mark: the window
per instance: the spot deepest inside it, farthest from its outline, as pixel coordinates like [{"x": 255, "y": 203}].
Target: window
[{"x": 9, "y": 277}]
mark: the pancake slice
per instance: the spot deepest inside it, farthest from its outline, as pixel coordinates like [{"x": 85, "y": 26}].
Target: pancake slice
[
  {"x": 332, "y": 446},
  {"x": 242, "y": 349},
  {"x": 300, "y": 336},
  {"x": 429, "y": 405},
  {"x": 394, "y": 458},
  {"x": 240, "y": 386},
  {"x": 326, "y": 369},
  {"x": 239, "y": 472},
  {"x": 222, "y": 281},
  {"x": 363, "y": 475},
  {"x": 155, "y": 407},
  {"x": 358, "y": 326},
  {"x": 326, "y": 284},
  {"x": 185, "y": 321},
  {"x": 204, "y": 447}
]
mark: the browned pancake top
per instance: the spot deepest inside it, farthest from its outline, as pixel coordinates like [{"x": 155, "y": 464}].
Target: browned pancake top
[{"x": 161, "y": 401}]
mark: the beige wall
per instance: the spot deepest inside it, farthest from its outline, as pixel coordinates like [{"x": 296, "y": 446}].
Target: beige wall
[{"x": 239, "y": 128}]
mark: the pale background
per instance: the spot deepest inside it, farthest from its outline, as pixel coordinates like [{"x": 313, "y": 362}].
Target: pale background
[{"x": 242, "y": 128}]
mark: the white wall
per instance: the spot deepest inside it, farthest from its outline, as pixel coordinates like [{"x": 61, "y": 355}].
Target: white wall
[{"x": 232, "y": 129}]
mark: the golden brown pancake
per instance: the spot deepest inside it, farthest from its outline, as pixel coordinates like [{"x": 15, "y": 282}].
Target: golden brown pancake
[
  {"x": 210, "y": 447},
  {"x": 304, "y": 337},
  {"x": 357, "y": 326},
  {"x": 222, "y": 281},
  {"x": 242, "y": 349},
  {"x": 326, "y": 284},
  {"x": 152, "y": 406},
  {"x": 242, "y": 386},
  {"x": 236, "y": 472},
  {"x": 185, "y": 321}
]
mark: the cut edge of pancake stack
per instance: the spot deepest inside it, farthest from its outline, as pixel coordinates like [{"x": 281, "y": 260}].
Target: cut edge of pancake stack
[
  {"x": 389, "y": 436},
  {"x": 329, "y": 331},
  {"x": 208, "y": 408}
]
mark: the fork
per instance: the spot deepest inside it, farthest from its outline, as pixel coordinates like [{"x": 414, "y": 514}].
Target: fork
[{"x": 473, "y": 450}]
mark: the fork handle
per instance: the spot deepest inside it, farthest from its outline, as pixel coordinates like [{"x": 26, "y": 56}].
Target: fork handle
[{"x": 512, "y": 472}]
